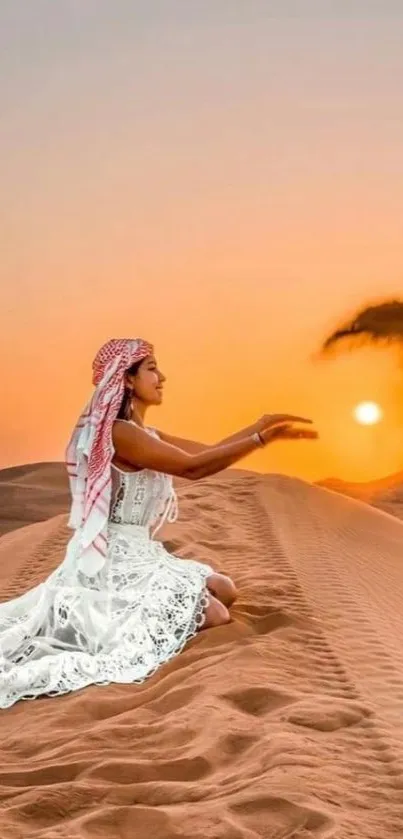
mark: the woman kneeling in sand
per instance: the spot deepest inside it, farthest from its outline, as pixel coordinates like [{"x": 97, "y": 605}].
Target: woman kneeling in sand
[{"x": 120, "y": 605}]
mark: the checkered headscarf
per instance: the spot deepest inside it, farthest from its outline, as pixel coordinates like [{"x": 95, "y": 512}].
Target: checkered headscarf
[{"x": 90, "y": 450}]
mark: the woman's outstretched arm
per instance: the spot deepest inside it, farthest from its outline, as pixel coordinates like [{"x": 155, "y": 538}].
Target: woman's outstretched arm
[
  {"x": 193, "y": 447},
  {"x": 138, "y": 448},
  {"x": 189, "y": 446}
]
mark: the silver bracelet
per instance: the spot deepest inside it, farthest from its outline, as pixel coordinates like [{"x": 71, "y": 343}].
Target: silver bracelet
[{"x": 258, "y": 439}]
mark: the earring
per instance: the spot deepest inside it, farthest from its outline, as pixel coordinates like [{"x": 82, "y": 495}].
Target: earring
[{"x": 128, "y": 405}]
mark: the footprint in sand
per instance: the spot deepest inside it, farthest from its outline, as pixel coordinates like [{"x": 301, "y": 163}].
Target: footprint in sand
[
  {"x": 258, "y": 701},
  {"x": 330, "y": 715},
  {"x": 286, "y": 819}
]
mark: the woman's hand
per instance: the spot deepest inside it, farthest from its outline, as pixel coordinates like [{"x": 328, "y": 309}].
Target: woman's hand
[
  {"x": 272, "y": 420},
  {"x": 281, "y": 430}
]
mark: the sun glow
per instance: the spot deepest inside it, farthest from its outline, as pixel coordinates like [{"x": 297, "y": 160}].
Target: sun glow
[{"x": 368, "y": 413}]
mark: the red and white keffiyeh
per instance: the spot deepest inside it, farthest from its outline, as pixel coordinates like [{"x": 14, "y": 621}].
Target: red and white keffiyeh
[{"x": 90, "y": 450}]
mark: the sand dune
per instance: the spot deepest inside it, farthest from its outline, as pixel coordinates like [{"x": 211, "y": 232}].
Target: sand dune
[
  {"x": 39, "y": 491},
  {"x": 385, "y": 494},
  {"x": 32, "y": 493},
  {"x": 286, "y": 723}
]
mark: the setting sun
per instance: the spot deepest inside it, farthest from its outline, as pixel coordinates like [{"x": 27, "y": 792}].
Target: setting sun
[{"x": 368, "y": 413}]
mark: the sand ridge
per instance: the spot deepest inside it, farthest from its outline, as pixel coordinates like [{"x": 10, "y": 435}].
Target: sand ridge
[
  {"x": 385, "y": 493},
  {"x": 286, "y": 723},
  {"x": 31, "y": 493}
]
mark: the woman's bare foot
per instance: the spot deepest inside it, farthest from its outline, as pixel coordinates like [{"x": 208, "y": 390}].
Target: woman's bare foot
[
  {"x": 216, "y": 614},
  {"x": 222, "y": 588}
]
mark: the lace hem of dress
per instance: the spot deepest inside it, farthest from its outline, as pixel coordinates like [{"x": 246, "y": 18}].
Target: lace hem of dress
[{"x": 75, "y": 670}]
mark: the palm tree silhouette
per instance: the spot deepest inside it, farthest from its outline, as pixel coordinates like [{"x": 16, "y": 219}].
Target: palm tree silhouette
[{"x": 380, "y": 323}]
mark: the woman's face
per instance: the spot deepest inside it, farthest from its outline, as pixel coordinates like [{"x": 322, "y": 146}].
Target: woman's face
[{"x": 148, "y": 382}]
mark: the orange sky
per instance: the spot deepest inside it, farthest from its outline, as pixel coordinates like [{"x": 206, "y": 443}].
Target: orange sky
[{"x": 227, "y": 184}]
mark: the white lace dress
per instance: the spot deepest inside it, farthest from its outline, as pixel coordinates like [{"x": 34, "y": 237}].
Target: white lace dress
[{"x": 120, "y": 626}]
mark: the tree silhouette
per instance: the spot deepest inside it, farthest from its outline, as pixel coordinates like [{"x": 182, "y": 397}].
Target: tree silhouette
[{"x": 380, "y": 323}]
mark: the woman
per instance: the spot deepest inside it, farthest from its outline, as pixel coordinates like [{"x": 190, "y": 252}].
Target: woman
[{"x": 119, "y": 605}]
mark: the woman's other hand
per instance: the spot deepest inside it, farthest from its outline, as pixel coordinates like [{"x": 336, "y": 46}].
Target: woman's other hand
[
  {"x": 281, "y": 430},
  {"x": 272, "y": 420}
]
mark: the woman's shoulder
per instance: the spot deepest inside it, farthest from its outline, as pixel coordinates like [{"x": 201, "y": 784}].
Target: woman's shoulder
[{"x": 149, "y": 429}]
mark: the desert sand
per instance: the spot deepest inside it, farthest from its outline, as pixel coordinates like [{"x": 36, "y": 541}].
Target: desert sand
[
  {"x": 287, "y": 723},
  {"x": 385, "y": 493},
  {"x": 32, "y": 493}
]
